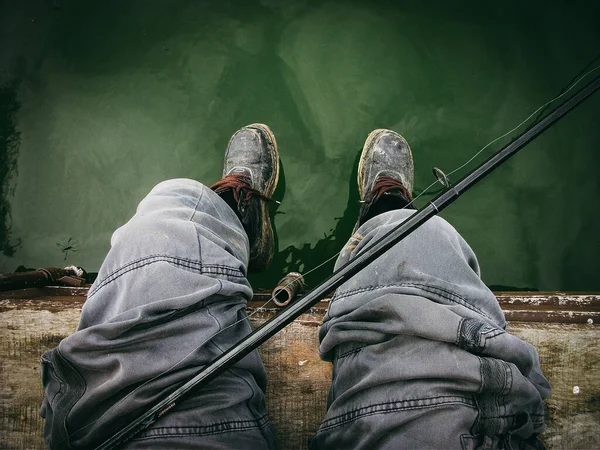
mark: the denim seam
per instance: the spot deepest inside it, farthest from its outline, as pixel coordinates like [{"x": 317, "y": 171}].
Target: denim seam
[
  {"x": 494, "y": 332},
  {"x": 197, "y": 234},
  {"x": 463, "y": 440},
  {"x": 349, "y": 352},
  {"x": 222, "y": 270},
  {"x": 56, "y": 376},
  {"x": 225, "y": 427},
  {"x": 508, "y": 416},
  {"x": 432, "y": 402},
  {"x": 140, "y": 263},
  {"x": 222, "y": 266},
  {"x": 76, "y": 387},
  {"x": 195, "y": 208},
  {"x": 477, "y": 424},
  {"x": 460, "y": 324},
  {"x": 501, "y": 396},
  {"x": 510, "y": 387},
  {"x": 444, "y": 293},
  {"x": 216, "y": 320},
  {"x": 381, "y": 286},
  {"x": 496, "y": 401},
  {"x": 482, "y": 381},
  {"x": 506, "y": 441},
  {"x": 189, "y": 264},
  {"x": 488, "y": 337},
  {"x": 334, "y": 374}
]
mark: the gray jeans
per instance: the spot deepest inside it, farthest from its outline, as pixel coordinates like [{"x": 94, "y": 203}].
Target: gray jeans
[{"x": 420, "y": 356}]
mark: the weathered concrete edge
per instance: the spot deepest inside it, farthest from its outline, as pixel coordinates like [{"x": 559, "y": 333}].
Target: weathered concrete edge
[{"x": 543, "y": 307}]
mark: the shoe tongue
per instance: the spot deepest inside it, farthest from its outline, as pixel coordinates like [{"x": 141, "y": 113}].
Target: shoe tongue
[{"x": 241, "y": 171}]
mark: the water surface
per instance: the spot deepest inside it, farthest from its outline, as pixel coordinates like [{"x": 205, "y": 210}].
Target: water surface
[{"x": 114, "y": 97}]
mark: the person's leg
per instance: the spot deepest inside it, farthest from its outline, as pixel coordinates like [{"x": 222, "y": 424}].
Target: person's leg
[
  {"x": 420, "y": 356},
  {"x": 170, "y": 297}
]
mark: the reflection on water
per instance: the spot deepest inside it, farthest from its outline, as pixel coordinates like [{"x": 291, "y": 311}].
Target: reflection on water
[
  {"x": 117, "y": 96},
  {"x": 313, "y": 257}
]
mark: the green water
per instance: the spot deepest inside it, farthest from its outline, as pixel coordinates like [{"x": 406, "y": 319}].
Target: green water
[{"x": 113, "y": 97}]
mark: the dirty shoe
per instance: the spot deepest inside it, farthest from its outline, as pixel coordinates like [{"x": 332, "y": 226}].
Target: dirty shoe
[
  {"x": 385, "y": 174},
  {"x": 250, "y": 176}
]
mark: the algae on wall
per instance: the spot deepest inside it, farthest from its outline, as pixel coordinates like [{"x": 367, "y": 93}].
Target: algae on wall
[{"x": 10, "y": 139}]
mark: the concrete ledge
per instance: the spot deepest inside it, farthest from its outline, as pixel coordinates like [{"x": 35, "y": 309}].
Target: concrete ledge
[{"x": 564, "y": 327}]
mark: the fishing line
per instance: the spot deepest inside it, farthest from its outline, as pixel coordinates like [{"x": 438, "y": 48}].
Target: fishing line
[
  {"x": 469, "y": 161},
  {"x": 261, "y": 308},
  {"x": 422, "y": 193},
  {"x": 425, "y": 191},
  {"x": 523, "y": 122}
]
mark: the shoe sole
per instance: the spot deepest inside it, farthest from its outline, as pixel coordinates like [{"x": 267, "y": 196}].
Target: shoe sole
[
  {"x": 271, "y": 185},
  {"x": 272, "y": 147}
]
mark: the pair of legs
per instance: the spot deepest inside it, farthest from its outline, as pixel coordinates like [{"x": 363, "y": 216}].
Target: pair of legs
[{"x": 420, "y": 356}]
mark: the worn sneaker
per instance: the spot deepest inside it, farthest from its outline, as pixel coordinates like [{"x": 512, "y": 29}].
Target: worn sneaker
[
  {"x": 250, "y": 175},
  {"x": 385, "y": 174}
]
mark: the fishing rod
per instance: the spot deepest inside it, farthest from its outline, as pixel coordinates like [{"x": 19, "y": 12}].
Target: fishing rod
[{"x": 340, "y": 276}]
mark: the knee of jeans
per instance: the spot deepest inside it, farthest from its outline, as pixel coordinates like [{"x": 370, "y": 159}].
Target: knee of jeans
[{"x": 178, "y": 184}]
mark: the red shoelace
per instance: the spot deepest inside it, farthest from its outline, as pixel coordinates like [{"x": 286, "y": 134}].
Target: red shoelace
[
  {"x": 384, "y": 184},
  {"x": 240, "y": 187}
]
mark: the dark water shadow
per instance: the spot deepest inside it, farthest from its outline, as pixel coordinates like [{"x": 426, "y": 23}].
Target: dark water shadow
[{"x": 307, "y": 257}]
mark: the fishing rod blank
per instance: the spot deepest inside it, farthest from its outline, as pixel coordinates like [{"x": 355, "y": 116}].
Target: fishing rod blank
[{"x": 340, "y": 276}]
